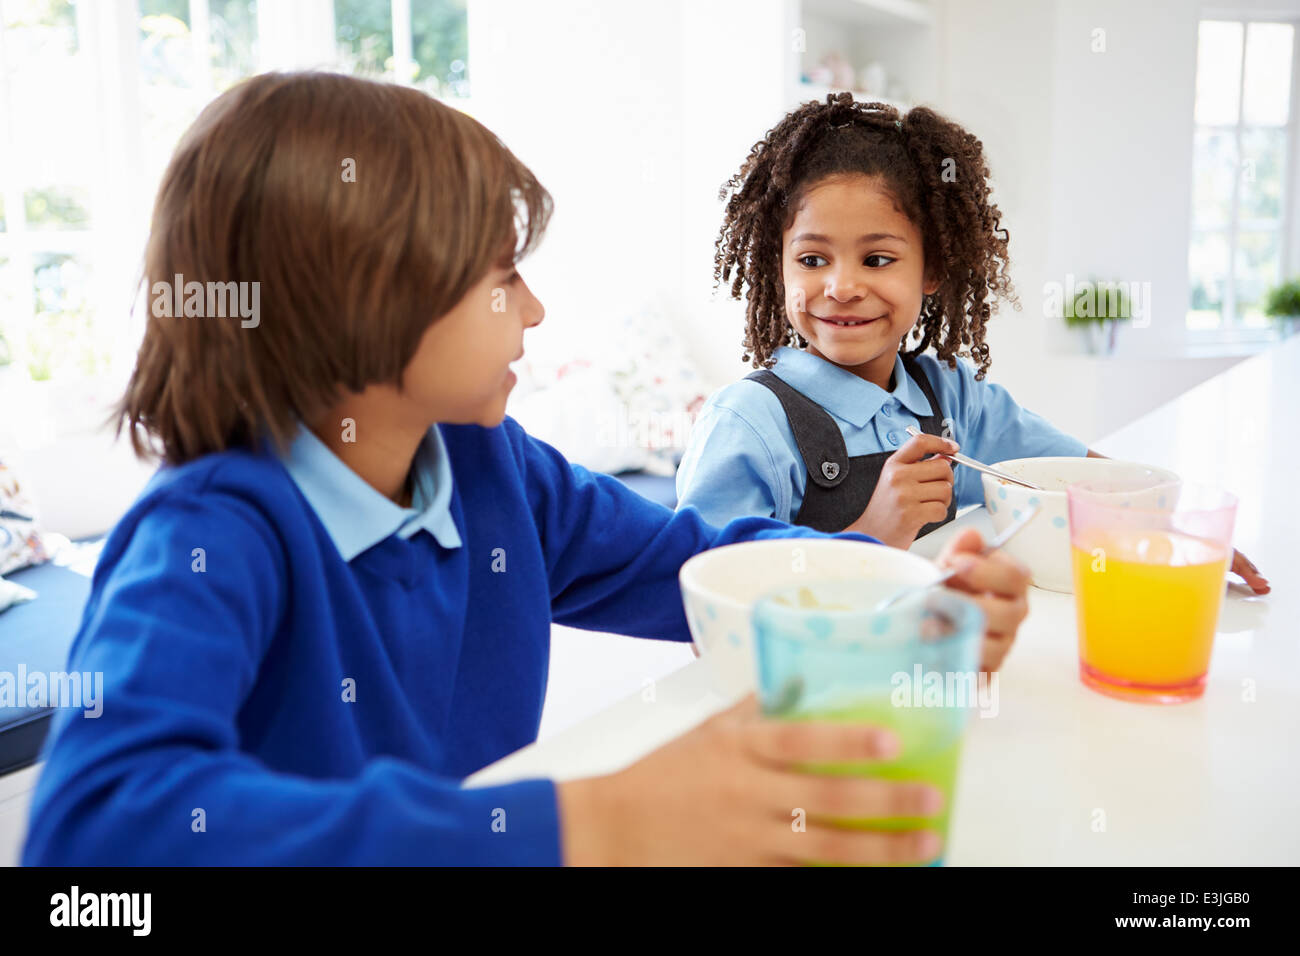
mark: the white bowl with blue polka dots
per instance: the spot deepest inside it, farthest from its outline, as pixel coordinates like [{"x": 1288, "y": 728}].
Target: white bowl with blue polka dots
[
  {"x": 1044, "y": 544},
  {"x": 720, "y": 586}
]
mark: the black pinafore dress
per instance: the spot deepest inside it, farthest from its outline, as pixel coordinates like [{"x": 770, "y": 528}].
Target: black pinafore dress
[{"x": 838, "y": 486}]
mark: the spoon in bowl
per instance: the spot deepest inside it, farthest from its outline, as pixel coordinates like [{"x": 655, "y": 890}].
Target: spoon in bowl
[
  {"x": 978, "y": 466},
  {"x": 1007, "y": 534}
]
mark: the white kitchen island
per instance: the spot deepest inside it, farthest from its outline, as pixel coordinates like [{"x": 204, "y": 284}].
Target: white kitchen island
[{"x": 1062, "y": 774}]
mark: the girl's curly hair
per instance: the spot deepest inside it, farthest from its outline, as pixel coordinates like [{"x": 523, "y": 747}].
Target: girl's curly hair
[{"x": 933, "y": 170}]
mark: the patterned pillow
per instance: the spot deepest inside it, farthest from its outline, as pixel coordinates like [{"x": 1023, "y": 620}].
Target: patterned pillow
[
  {"x": 659, "y": 389},
  {"x": 572, "y": 407},
  {"x": 623, "y": 400},
  {"x": 21, "y": 541}
]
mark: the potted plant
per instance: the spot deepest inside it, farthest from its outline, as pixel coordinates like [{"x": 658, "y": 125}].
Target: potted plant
[
  {"x": 1282, "y": 305},
  {"x": 1096, "y": 312}
]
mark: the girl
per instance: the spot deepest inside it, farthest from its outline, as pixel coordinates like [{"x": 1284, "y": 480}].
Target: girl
[
  {"x": 851, "y": 227},
  {"x": 334, "y": 601}
]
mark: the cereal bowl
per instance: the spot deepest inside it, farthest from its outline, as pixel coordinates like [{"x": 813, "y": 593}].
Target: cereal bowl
[{"x": 720, "y": 586}]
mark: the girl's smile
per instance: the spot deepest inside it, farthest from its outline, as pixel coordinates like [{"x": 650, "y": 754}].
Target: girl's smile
[{"x": 848, "y": 321}]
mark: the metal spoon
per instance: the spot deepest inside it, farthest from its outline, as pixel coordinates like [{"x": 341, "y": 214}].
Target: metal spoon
[
  {"x": 1007, "y": 534},
  {"x": 972, "y": 463}
]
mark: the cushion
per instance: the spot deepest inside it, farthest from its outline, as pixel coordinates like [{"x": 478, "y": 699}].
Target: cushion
[
  {"x": 21, "y": 540},
  {"x": 569, "y": 412},
  {"x": 37, "y": 636},
  {"x": 624, "y": 400}
]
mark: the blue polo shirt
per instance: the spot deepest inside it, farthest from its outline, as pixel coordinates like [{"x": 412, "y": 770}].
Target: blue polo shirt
[
  {"x": 290, "y": 678},
  {"x": 742, "y": 459},
  {"x": 355, "y": 515}
]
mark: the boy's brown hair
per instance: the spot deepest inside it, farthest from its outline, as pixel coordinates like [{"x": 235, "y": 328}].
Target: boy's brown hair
[
  {"x": 937, "y": 176},
  {"x": 364, "y": 211}
]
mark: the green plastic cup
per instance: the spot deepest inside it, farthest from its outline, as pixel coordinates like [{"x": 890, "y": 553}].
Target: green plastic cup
[{"x": 825, "y": 654}]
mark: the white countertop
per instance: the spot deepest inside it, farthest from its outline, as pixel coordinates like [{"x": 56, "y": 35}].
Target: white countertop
[{"x": 1062, "y": 774}]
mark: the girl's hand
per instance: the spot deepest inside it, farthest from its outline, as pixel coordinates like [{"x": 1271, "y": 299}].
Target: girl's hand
[
  {"x": 913, "y": 491},
  {"x": 728, "y": 793},
  {"x": 1242, "y": 565},
  {"x": 998, "y": 583}
]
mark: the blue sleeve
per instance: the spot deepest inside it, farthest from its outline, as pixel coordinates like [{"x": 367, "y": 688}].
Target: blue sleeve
[
  {"x": 159, "y": 777},
  {"x": 727, "y": 470},
  {"x": 991, "y": 428},
  {"x": 741, "y": 458},
  {"x": 612, "y": 557}
]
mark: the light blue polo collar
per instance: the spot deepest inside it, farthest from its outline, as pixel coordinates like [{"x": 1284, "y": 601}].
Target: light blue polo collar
[
  {"x": 843, "y": 394},
  {"x": 356, "y": 516}
]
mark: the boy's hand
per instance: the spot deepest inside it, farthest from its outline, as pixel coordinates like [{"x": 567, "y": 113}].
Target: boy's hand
[
  {"x": 1243, "y": 566},
  {"x": 998, "y": 583},
  {"x": 727, "y": 793},
  {"x": 912, "y": 492}
]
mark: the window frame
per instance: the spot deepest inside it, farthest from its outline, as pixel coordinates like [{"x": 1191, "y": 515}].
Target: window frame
[{"x": 1230, "y": 336}]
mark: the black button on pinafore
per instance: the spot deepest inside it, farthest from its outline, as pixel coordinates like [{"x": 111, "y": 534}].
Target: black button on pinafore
[{"x": 838, "y": 486}]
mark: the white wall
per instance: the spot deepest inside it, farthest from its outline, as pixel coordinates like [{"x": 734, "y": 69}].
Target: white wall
[
  {"x": 1122, "y": 164},
  {"x": 632, "y": 115},
  {"x": 997, "y": 81},
  {"x": 1091, "y": 155},
  {"x": 741, "y": 65},
  {"x": 589, "y": 105}
]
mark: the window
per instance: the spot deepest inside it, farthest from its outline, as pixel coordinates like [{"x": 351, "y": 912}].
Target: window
[
  {"x": 46, "y": 248},
  {"x": 94, "y": 95},
  {"x": 424, "y": 44},
  {"x": 1241, "y": 196},
  {"x": 189, "y": 52}
]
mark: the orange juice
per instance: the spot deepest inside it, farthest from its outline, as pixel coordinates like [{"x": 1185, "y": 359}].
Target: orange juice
[{"x": 1147, "y": 603}]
